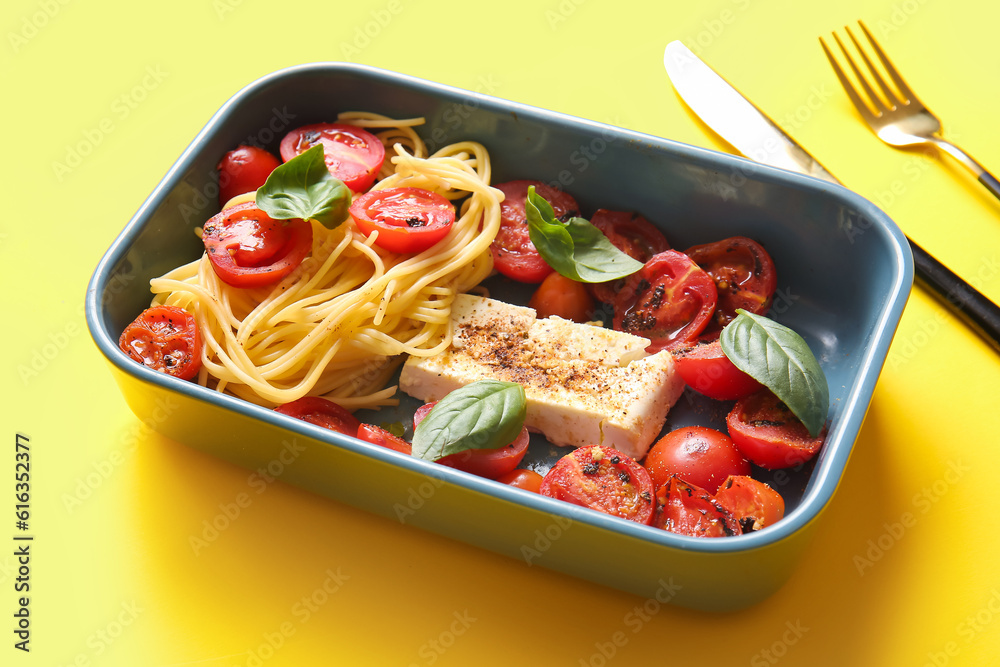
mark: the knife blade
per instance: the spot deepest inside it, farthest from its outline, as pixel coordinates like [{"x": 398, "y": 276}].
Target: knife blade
[{"x": 748, "y": 129}]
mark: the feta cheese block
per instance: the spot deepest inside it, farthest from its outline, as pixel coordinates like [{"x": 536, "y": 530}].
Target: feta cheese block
[{"x": 585, "y": 385}]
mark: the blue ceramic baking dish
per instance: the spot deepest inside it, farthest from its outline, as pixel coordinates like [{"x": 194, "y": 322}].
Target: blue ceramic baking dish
[{"x": 844, "y": 273}]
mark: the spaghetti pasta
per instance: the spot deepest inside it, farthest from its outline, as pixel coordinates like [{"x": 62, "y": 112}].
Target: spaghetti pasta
[{"x": 338, "y": 324}]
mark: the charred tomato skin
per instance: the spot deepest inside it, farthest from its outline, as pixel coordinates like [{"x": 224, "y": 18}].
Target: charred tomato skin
[
  {"x": 767, "y": 432},
  {"x": 687, "y": 509},
  {"x": 166, "y": 339},
  {"x": 603, "y": 479},
  {"x": 744, "y": 276},
  {"x": 670, "y": 300}
]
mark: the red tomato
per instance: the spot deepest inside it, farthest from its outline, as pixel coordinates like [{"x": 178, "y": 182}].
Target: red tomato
[
  {"x": 322, "y": 412},
  {"x": 248, "y": 248},
  {"x": 769, "y": 434},
  {"x": 754, "y": 504},
  {"x": 564, "y": 297},
  {"x": 529, "y": 480},
  {"x": 379, "y": 436},
  {"x": 514, "y": 255},
  {"x": 706, "y": 369},
  {"x": 166, "y": 339},
  {"x": 244, "y": 170},
  {"x": 669, "y": 301},
  {"x": 686, "y": 509},
  {"x": 633, "y": 235},
  {"x": 489, "y": 463},
  {"x": 743, "y": 273},
  {"x": 353, "y": 155},
  {"x": 602, "y": 479},
  {"x": 698, "y": 455},
  {"x": 408, "y": 220}
]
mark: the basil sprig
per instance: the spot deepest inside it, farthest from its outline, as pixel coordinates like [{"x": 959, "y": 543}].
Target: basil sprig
[
  {"x": 779, "y": 359},
  {"x": 304, "y": 188},
  {"x": 482, "y": 415},
  {"x": 574, "y": 248}
]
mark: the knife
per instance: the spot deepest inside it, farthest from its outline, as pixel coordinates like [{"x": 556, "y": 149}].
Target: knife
[{"x": 748, "y": 129}]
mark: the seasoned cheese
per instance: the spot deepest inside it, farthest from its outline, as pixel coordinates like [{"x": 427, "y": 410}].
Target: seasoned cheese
[{"x": 585, "y": 384}]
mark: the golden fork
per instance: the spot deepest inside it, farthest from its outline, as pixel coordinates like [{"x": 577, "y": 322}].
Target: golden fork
[{"x": 897, "y": 116}]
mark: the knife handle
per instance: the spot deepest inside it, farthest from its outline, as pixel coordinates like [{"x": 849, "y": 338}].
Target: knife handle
[{"x": 961, "y": 298}]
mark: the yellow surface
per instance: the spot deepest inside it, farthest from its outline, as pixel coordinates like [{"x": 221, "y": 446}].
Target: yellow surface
[{"x": 100, "y": 98}]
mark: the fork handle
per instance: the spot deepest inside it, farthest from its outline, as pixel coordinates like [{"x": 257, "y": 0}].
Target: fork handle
[
  {"x": 991, "y": 183},
  {"x": 964, "y": 300},
  {"x": 984, "y": 176}
]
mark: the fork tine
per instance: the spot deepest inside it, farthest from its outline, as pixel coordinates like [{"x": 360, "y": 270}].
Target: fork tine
[
  {"x": 856, "y": 100},
  {"x": 873, "y": 98},
  {"x": 890, "y": 95},
  {"x": 889, "y": 67}
]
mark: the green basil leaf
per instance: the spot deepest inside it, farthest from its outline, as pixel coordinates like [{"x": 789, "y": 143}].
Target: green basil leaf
[
  {"x": 779, "y": 359},
  {"x": 574, "y": 248},
  {"x": 481, "y": 415},
  {"x": 304, "y": 188}
]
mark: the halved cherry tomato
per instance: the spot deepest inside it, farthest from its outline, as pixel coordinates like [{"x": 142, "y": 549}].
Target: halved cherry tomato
[
  {"x": 669, "y": 301},
  {"x": 699, "y": 455},
  {"x": 244, "y": 170},
  {"x": 529, "y": 480},
  {"x": 166, "y": 339},
  {"x": 490, "y": 463},
  {"x": 633, "y": 235},
  {"x": 603, "y": 479},
  {"x": 379, "y": 436},
  {"x": 248, "y": 248},
  {"x": 769, "y": 434},
  {"x": 754, "y": 504},
  {"x": 563, "y": 297},
  {"x": 353, "y": 155},
  {"x": 706, "y": 369},
  {"x": 322, "y": 412},
  {"x": 686, "y": 509},
  {"x": 743, "y": 273},
  {"x": 408, "y": 220},
  {"x": 514, "y": 255}
]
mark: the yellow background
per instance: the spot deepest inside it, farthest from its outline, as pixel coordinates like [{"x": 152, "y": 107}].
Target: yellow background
[{"x": 115, "y": 580}]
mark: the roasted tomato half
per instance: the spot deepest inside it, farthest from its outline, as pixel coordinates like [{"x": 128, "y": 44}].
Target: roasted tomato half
[
  {"x": 322, "y": 412},
  {"x": 353, "y": 155},
  {"x": 633, "y": 235},
  {"x": 490, "y": 463},
  {"x": 686, "y": 509},
  {"x": 249, "y": 248},
  {"x": 166, "y": 339},
  {"x": 514, "y": 255},
  {"x": 529, "y": 480},
  {"x": 669, "y": 301},
  {"x": 408, "y": 220},
  {"x": 753, "y": 504},
  {"x": 377, "y": 435},
  {"x": 603, "y": 479},
  {"x": 769, "y": 434},
  {"x": 706, "y": 369},
  {"x": 744, "y": 275}
]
